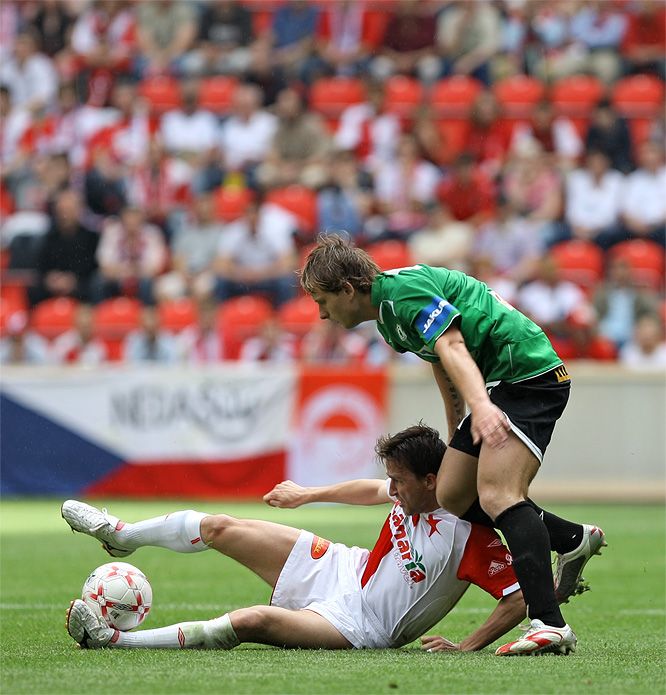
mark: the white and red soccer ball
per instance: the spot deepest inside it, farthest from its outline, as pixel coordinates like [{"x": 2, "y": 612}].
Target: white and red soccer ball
[{"x": 119, "y": 593}]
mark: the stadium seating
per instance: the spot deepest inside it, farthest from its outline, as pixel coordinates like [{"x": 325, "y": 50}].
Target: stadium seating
[
  {"x": 579, "y": 261},
  {"x": 216, "y": 93},
  {"x": 575, "y": 97},
  {"x": 242, "y": 318},
  {"x": 646, "y": 259},
  {"x": 161, "y": 93},
  {"x": 390, "y": 254},
  {"x": 518, "y": 95},
  {"x": 640, "y": 99},
  {"x": 453, "y": 97},
  {"x": 9, "y": 308},
  {"x": 300, "y": 201},
  {"x": 177, "y": 314},
  {"x": 231, "y": 201},
  {"x": 403, "y": 96},
  {"x": 114, "y": 319},
  {"x": 54, "y": 316},
  {"x": 330, "y": 96},
  {"x": 298, "y": 315}
]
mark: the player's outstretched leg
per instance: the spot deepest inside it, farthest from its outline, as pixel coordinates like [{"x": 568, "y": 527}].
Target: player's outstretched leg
[
  {"x": 541, "y": 639},
  {"x": 569, "y": 570},
  {"x": 92, "y": 632},
  {"x": 179, "y": 531}
]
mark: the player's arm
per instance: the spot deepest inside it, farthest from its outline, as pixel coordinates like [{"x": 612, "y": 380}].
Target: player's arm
[
  {"x": 454, "y": 405},
  {"x": 488, "y": 422},
  {"x": 508, "y": 612},
  {"x": 364, "y": 491}
]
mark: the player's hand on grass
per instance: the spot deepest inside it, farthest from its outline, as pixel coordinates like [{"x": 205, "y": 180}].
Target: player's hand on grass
[
  {"x": 490, "y": 425},
  {"x": 287, "y": 495},
  {"x": 435, "y": 643}
]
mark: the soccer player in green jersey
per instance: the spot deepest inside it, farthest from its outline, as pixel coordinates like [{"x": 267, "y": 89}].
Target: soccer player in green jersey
[{"x": 488, "y": 357}]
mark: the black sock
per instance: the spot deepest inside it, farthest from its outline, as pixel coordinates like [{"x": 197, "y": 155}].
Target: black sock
[
  {"x": 565, "y": 536},
  {"x": 527, "y": 538}
]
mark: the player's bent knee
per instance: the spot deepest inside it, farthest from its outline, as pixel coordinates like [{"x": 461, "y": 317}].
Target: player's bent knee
[
  {"x": 213, "y": 527},
  {"x": 494, "y": 502},
  {"x": 249, "y": 623}
]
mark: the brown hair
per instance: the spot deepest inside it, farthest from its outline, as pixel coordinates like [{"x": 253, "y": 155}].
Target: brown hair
[
  {"x": 334, "y": 261},
  {"x": 418, "y": 448}
]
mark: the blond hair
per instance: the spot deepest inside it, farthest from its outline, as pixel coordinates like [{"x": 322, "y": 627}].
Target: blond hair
[{"x": 334, "y": 261}]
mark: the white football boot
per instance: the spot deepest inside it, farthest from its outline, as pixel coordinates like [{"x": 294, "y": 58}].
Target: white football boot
[
  {"x": 97, "y": 523},
  {"x": 569, "y": 569},
  {"x": 541, "y": 639},
  {"x": 86, "y": 628}
]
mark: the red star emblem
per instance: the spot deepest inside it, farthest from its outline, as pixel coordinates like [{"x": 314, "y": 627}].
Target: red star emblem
[{"x": 432, "y": 522}]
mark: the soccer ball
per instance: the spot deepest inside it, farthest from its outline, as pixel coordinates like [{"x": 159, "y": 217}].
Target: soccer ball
[{"x": 118, "y": 593}]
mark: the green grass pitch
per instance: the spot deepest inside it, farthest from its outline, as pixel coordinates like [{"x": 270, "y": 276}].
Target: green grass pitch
[{"x": 620, "y": 622}]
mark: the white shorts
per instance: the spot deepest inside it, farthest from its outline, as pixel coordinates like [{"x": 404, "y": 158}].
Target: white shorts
[{"x": 323, "y": 577}]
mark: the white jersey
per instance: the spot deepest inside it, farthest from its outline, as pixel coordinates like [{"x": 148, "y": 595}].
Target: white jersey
[{"x": 417, "y": 571}]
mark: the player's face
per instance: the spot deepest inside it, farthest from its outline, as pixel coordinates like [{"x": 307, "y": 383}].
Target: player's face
[
  {"x": 416, "y": 495},
  {"x": 340, "y": 307}
]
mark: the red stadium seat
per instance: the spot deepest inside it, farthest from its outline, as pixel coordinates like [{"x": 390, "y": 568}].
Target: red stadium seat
[
  {"x": 517, "y": 95},
  {"x": 54, "y": 316},
  {"x": 231, "y": 202},
  {"x": 114, "y": 319},
  {"x": 216, "y": 93},
  {"x": 453, "y": 97},
  {"x": 579, "y": 261},
  {"x": 300, "y": 201},
  {"x": 177, "y": 314},
  {"x": 646, "y": 259},
  {"x": 9, "y": 309},
  {"x": 575, "y": 97},
  {"x": 391, "y": 254},
  {"x": 297, "y": 316},
  {"x": 639, "y": 96},
  {"x": 330, "y": 96},
  {"x": 403, "y": 95},
  {"x": 454, "y": 134},
  {"x": 161, "y": 93},
  {"x": 242, "y": 318}
]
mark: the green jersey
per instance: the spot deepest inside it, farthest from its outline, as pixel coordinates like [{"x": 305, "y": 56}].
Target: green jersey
[{"x": 417, "y": 304}]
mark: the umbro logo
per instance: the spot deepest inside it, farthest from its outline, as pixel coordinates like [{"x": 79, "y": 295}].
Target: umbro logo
[
  {"x": 495, "y": 567},
  {"x": 401, "y": 332},
  {"x": 494, "y": 543}
]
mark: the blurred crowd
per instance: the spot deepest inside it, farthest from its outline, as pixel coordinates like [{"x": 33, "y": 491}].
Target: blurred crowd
[{"x": 188, "y": 152}]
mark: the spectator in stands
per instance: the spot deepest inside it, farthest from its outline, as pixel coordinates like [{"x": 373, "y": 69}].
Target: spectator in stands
[
  {"x": 192, "y": 134},
  {"x": 328, "y": 341},
  {"x": 194, "y": 248},
  {"x": 105, "y": 183},
  {"x": 202, "y": 343},
  {"x": 444, "y": 241},
  {"x": 408, "y": 47},
  {"x": 298, "y": 146},
  {"x": 131, "y": 254},
  {"x": 20, "y": 345},
  {"x": 557, "y": 135},
  {"x": 30, "y": 75},
  {"x": 345, "y": 200},
  {"x": 293, "y": 36},
  {"x": 271, "y": 345},
  {"x": 619, "y": 303},
  {"x": 263, "y": 73},
  {"x": 67, "y": 258},
  {"x": 103, "y": 42},
  {"x": 643, "y": 199},
  {"x": 14, "y": 121},
  {"x": 256, "y": 254},
  {"x": 166, "y": 30},
  {"x": 533, "y": 187},
  {"x": 510, "y": 59},
  {"x": 647, "y": 350},
  {"x": 346, "y": 37},
  {"x": 404, "y": 188},
  {"x": 434, "y": 144},
  {"x": 79, "y": 345},
  {"x": 223, "y": 41},
  {"x": 368, "y": 129},
  {"x": 584, "y": 341},
  {"x": 52, "y": 24},
  {"x": 468, "y": 38},
  {"x": 512, "y": 242},
  {"x": 599, "y": 26},
  {"x": 609, "y": 133},
  {"x": 247, "y": 134},
  {"x": 488, "y": 136},
  {"x": 149, "y": 343},
  {"x": 467, "y": 192},
  {"x": 645, "y": 38},
  {"x": 593, "y": 199}
]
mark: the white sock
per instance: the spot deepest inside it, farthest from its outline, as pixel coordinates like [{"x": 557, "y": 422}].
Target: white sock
[
  {"x": 179, "y": 531},
  {"x": 202, "y": 634}
]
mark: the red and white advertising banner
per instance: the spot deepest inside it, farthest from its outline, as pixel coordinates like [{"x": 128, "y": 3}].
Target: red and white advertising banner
[{"x": 340, "y": 412}]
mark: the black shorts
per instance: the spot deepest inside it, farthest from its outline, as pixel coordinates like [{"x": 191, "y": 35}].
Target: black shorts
[{"x": 532, "y": 407}]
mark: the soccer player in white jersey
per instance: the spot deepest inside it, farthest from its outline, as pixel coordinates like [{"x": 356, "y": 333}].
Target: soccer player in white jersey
[{"x": 327, "y": 595}]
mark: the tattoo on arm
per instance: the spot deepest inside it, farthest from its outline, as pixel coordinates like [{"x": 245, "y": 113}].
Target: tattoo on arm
[{"x": 457, "y": 403}]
